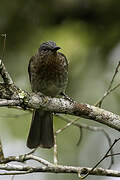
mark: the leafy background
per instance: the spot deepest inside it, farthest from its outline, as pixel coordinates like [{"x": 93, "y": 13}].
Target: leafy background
[{"x": 89, "y": 33}]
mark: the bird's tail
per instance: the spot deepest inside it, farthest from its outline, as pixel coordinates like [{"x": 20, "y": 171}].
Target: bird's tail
[{"x": 41, "y": 130}]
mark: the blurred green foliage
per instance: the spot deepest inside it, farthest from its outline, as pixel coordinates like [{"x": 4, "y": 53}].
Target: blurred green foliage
[{"x": 88, "y": 32}]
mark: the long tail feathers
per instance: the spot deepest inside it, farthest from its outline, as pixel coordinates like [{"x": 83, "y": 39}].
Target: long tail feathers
[{"x": 41, "y": 130}]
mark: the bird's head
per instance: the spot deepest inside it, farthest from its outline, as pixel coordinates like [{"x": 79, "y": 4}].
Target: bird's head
[{"x": 49, "y": 46}]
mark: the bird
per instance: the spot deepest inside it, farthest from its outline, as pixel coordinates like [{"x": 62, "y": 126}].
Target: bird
[{"x": 48, "y": 75}]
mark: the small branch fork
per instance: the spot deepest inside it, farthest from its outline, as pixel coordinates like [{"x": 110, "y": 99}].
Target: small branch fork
[
  {"x": 52, "y": 168},
  {"x": 12, "y": 96},
  {"x": 110, "y": 89},
  {"x": 104, "y": 157},
  {"x": 48, "y": 167}
]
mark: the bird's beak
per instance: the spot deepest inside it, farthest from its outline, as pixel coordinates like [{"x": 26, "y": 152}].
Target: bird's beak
[{"x": 56, "y": 48}]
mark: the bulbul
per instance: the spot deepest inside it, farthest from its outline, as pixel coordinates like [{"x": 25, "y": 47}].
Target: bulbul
[{"x": 48, "y": 74}]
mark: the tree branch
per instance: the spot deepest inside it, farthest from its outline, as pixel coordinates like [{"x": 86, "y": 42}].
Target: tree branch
[
  {"x": 13, "y": 96},
  {"x": 49, "y": 167}
]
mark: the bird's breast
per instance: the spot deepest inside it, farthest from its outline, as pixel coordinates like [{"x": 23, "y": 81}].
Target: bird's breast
[{"x": 49, "y": 77}]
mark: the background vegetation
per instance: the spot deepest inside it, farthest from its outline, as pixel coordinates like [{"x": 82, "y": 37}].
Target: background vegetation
[{"x": 89, "y": 33}]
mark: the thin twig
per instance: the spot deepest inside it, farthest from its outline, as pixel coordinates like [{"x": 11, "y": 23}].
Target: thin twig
[
  {"x": 25, "y": 157},
  {"x": 66, "y": 126},
  {"x": 99, "y": 103},
  {"x": 114, "y": 75},
  {"x": 55, "y": 139},
  {"x": 55, "y": 150},
  {"x": 104, "y": 157},
  {"x": 110, "y": 89},
  {"x": 5, "y": 75},
  {"x": 1, "y": 151}
]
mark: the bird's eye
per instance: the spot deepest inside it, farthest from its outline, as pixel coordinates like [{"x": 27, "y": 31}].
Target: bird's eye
[{"x": 45, "y": 49}]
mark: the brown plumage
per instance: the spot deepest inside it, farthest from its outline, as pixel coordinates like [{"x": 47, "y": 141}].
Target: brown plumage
[{"x": 48, "y": 74}]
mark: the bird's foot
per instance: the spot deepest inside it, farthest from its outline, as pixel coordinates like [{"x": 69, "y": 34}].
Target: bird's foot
[{"x": 66, "y": 96}]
